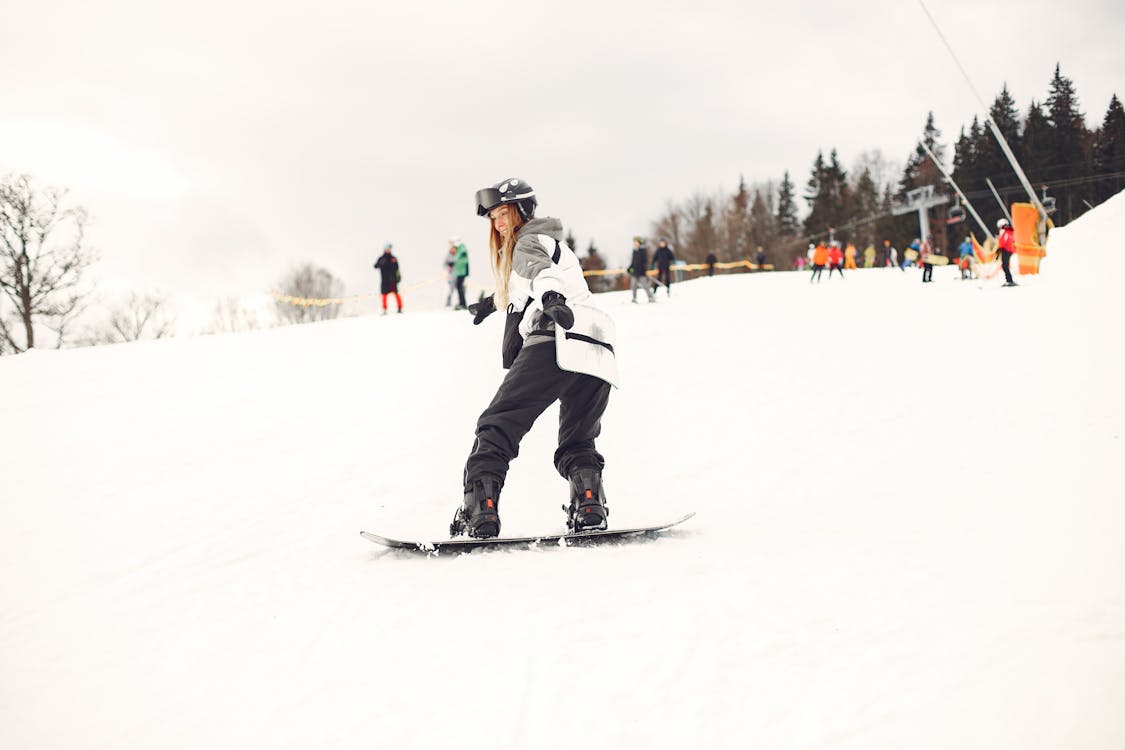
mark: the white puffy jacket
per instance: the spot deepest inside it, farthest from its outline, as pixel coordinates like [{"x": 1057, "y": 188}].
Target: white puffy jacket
[{"x": 543, "y": 263}]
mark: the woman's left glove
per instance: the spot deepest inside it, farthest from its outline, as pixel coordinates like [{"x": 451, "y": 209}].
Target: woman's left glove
[
  {"x": 482, "y": 309},
  {"x": 555, "y": 308}
]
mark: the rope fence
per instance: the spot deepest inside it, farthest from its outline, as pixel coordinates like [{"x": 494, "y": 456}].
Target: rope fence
[{"x": 326, "y": 301}]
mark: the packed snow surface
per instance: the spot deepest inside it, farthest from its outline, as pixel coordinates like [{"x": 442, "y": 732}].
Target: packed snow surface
[{"x": 911, "y": 514}]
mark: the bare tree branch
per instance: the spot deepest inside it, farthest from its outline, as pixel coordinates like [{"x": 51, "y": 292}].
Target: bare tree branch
[
  {"x": 43, "y": 259},
  {"x": 232, "y": 316},
  {"x": 136, "y": 317},
  {"x": 310, "y": 283}
]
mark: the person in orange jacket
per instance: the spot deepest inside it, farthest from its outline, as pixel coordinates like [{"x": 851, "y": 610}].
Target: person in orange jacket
[
  {"x": 835, "y": 260},
  {"x": 1006, "y": 243},
  {"x": 819, "y": 261},
  {"x": 849, "y": 257}
]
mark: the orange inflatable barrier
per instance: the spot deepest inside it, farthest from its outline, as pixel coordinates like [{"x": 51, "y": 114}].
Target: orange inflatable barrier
[{"x": 1025, "y": 219}]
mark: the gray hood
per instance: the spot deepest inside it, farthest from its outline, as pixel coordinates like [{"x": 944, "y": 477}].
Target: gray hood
[{"x": 545, "y": 225}]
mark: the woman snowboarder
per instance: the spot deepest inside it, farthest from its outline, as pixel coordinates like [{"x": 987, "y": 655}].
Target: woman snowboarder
[{"x": 556, "y": 347}]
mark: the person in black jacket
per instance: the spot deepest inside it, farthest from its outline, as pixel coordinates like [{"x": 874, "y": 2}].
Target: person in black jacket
[
  {"x": 390, "y": 276},
  {"x": 663, "y": 259},
  {"x": 638, "y": 270},
  {"x": 711, "y": 261}
]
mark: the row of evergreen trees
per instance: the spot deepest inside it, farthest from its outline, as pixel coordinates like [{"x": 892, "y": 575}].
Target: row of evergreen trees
[{"x": 1078, "y": 166}]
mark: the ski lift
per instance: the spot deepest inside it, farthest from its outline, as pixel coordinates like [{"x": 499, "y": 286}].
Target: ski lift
[
  {"x": 955, "y": 215},
  {"x": 1048, "y": 201}
]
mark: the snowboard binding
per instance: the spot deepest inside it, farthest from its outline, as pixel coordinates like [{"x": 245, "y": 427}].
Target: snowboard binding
[
  {"x": 588, "y": 510},
  {"x": 479, "y": 514}
]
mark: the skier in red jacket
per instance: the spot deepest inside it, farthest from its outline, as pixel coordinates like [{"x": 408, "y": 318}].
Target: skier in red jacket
[
  {"x": 835, "y": 260},
  {"x": 1006, "y": 242}
]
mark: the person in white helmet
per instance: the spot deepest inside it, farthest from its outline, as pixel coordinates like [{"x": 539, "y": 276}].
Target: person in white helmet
[{"x": 1006, "y": 243}]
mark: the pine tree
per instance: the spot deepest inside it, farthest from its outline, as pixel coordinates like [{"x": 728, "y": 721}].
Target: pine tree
[
  {"x": 812, "y": 187},
  {"x": 965, "y": 160},
  {"x": 993, "y": 163},
  {"x": 738, "y": 225},
  {"x": 1006, "y": 115},
  {"x": 917, "y": 173},
  {"x": 1037, "y": 155},
  {"x": 787, "y": 222},
  {"x": 887, "y": 227},
  {"x": 921, "y": 171},
  {"x": 570, "y": 241},
  {"x": 703, "y": 239},
  {"x": 865, "y": 206},
  {"x": 1069, "y": 146},
  {"x": 1109, "y": 152},
  {"x": 828, "y": 195},
  {"x": 763, "y": 228}
]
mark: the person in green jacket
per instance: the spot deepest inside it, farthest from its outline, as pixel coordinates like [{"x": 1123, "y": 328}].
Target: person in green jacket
[{"x": 460, "y": 269}]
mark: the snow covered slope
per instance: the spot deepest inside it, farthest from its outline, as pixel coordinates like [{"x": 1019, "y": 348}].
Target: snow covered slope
[{"x": 911, "y": 505}]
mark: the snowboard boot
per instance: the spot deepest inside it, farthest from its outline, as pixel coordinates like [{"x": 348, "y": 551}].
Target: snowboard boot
[
  {"x": 587, "y": 510},
  {"x": 479, "y": 515}
]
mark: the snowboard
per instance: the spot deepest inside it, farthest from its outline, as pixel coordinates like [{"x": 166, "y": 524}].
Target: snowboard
[{"x": 465, "y": 544}]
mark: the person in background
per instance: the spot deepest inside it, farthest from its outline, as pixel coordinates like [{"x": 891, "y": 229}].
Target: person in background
[
  {"x": 835, "y": 260},
  {"x": 451, "y": 282},
  {"x": 965, "y": 261},
  {"x": 1006, "y": 243},
  {"x": 638, "y": 270},
  {"x": 819, "y": 261},
  {"x": 711, "y": 261},
  {"x": 849, "y": 258},
  {"x": 663, "y": 259},
  {"x": 460, "y": 269},
  {"x": 595, "y": 262},
  {"x": 910, "y": 255},
  {"x": 390, "y": 276},
  {"x": 924, "y": 252},
  {"x": 760, "y": 258},
  {"x": 869, "y": 257}
]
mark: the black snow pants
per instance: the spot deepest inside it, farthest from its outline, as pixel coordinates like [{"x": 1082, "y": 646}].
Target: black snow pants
[
  {"x": 534, "y": 383},
  {"x": 1006, "y": 264},
  {"x": 460, "y": 284},
  {"x": 664, "y": 276}
]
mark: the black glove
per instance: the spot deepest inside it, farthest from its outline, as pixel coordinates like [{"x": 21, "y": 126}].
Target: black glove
[
  {"x": 554, "y": 307},
  {"x": 482, "y": 309}
]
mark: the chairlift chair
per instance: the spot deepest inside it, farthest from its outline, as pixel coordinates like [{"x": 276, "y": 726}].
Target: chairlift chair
[{"x": 955, "y": 215}]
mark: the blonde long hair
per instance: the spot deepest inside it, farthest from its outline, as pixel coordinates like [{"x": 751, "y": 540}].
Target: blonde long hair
[{"x": 501, "y": 247}]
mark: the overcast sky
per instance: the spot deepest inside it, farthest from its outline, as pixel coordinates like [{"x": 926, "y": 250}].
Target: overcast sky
[{"x": 218, "y": 142}]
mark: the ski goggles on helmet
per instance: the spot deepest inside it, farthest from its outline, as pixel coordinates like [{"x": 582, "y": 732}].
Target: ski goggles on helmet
[
  {"x": 513, "y": 190},
  {"x": 487, "y": 199}
]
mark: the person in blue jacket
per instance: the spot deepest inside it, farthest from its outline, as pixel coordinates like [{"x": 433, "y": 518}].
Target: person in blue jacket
[{"x": 965, "y": 261}]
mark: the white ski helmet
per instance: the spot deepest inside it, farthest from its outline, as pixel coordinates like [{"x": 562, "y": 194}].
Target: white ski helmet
[{"x": 1002, "y": 222}]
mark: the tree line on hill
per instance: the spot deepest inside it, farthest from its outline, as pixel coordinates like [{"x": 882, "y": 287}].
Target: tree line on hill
[
  {"x": 48, "y": 300},
  {"x": 1078, "y": 167},
  {"x": 44, "y": 256}
]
